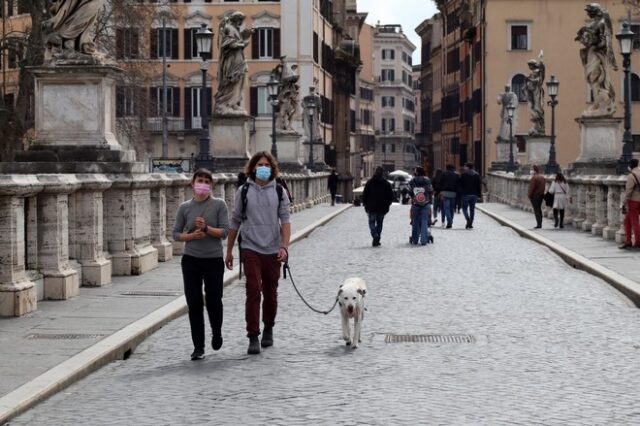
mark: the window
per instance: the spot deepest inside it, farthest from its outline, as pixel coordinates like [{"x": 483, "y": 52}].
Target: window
[
  {"x": 316, "y": 48},
  {"x": 635, "y": 28},
  {"x": 388, "y": 125},
  {"x": 264, "y": 105},
  {"x": 635, "y": 87},
  {"x": 190, "y": 43},
  {"x": 265, "y": 35},
  {"x": 164, "y": 43},
  {"x": 173, "y": 109},
  {"x": 388, "y": 75},
  {"x": 125, "y": 101},
  {"x": 127, "y": 43},
  {"x": 388, "y": 101},
  {"x": 366, "y": 94},
  {"x": 519, "y": 36},
  {"x": 388, "y": 54},
  {"x": 518, "y": 86},
  {"x": 22, "y": 7},
  {"x": 265, "y": 43}
]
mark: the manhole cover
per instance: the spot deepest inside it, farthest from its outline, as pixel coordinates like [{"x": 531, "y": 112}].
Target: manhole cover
[
  {"x": 66, "y": 336},
  {"x": 152, "y": 293},
  {"x": 429, "y": 338}
]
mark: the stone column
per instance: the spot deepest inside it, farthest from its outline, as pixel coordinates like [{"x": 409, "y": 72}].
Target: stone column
[
  {"x": 600, "y": 206},
  {"x": 159, "y": 218},
  {"x": 175, "y": 197},
  {"x": 614, "y": 185},
  {"x": 89, "y": 241},
  {"x": 581, "y": 206},
  {"x": 18, "y": 294},
  {"x": 127, "y": 209},
  {"x": 60, "y": 280},
  {"x": 590, "y": 205}
]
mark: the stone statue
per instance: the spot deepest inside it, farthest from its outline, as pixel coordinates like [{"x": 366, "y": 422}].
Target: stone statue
[
  {"x": 534, "y": 89},
  {"x": 68, "y": 31},
  {"x": 232, "y": 68},
  {"x": 311, "y": 123},
  {"x": 288, "y": 96},
  {"x": 506, "y": 99},
  {"x": 597, "y": 57}
]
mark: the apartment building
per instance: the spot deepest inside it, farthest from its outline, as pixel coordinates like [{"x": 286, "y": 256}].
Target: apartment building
[
  {"x": 14, "y": 20},
  {"x": 163, "y": 51},
  {"x": 394, "y": 99}
]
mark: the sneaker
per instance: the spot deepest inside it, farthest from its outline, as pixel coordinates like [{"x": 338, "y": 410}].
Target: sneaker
[
  {"x": 254, "y": 345},
  {"x": 624, "y": 246},
  {"x": 267, "y": 337},
  {"x": 216, "y": 341},
  {"x": 431, "y": 239},
  {"x": 376, "y": 242},
  {"x": 197, "y": 355},
  {"x": 449, "y": 226}
]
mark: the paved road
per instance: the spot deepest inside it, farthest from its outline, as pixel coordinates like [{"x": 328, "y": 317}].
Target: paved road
[{"x": 552, "y": 345}]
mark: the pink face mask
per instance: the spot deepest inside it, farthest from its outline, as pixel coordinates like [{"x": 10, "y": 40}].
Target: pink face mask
[{"x": 201, "y": 189}]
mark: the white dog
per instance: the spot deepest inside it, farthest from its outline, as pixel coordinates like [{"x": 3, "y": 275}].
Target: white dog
[{"x": 351, "y": 300}]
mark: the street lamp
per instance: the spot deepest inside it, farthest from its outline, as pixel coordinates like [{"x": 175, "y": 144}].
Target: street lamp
[
  {"x": 625, "y": 37},
  {"x": 552, "y": 90},
  {"x": 273, "y": 87},
  {"x": 511, "y": 109},
  {"x": 204, "y": 38},
  {"x": 310, "y": 106}
]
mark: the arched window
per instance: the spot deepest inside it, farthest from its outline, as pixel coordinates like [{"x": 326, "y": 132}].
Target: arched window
[
  {"x": 517, "y": 87},
  {"x": 635, "y": 87}
]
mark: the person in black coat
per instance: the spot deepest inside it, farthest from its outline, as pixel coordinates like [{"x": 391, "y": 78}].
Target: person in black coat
[
  {"x": 449, "y": 187},
  {"x": 377, "y": 198},
  {"x": 332, "y": 184},
  {"x": 471, "y": 190}
]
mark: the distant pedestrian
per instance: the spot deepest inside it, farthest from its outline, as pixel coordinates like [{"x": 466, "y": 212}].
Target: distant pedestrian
[
  {"x": 202, "y": 223},
  {"x": 332, "y": 184},
  {"x": 470, "y": 190},
  {"x": 437, "y": 201},
  {"x": 377, "y": 198},
  {"x": 561, "y": 199},
  {"x": 421, "y": 191},
  {"x": 536, "y": 193},
  {"x": 631, "y": 206},
  {"x": 449, "y": 188},
  {"x": 261, "y": 214}
]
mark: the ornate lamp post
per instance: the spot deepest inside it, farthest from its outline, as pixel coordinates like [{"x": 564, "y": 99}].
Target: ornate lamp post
[
  {"x": 204, "y": 38},
  {"x": 310, "y": 107},
  {"x": 552, "y": 90},
  {"x": 511, "y": 109},
  {"x": 625, "y": 37},
  {"x": 273, "y": 87}
]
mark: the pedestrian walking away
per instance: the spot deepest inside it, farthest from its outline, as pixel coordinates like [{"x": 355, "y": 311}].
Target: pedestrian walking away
[
  {"x": 631, "y": 206},
  {"x": 421, "y": 191},
  {"x": 377, "y": 198},
  {"x": 437, "y": 199},
  {"x": 261, "y": 215},
  {"x": 536, "y": 193},
  {"x": 449, "y": 188},
  {"x": 202, "y": 223},
  {"x": 332, "y": 185},
  {"x": 561, "y": 199},
  {"x": 471, "y": 191}
]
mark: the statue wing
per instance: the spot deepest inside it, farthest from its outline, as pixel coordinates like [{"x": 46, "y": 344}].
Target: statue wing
[
  {"x": 609, "y": 39},
  {"x": 223, "y": 23}
]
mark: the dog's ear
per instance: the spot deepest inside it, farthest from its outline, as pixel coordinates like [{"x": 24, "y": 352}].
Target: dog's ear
[
  {"x": 362, "y": 291},
  {"x": 340, "y": 291}
]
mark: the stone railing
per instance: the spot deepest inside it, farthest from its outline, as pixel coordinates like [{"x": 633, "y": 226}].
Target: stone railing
[
  {"x": 63, "y": 231},
  {"x": 595, "y": 206}
]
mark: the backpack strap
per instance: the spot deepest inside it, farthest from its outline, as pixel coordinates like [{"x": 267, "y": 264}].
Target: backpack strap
[{"x": 243, "y": 197}]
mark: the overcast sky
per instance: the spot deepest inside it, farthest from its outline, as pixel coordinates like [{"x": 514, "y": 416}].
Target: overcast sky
[{"x": 408, "y": 13}]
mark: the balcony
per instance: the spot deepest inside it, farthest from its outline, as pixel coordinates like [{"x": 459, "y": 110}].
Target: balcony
[{"x": 174, "y": 124}]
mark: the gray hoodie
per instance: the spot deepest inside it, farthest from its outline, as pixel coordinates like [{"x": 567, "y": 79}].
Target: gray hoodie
[{"x": 261, "y": 229}]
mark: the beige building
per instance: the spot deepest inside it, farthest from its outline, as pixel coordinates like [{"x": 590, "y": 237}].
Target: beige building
[
  {"x": 515, "y": 32},
  {"x": 366, "y": 102}
]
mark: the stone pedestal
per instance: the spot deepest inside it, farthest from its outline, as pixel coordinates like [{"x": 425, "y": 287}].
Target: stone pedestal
[
  {"x": 289, "y": 152},
  {"x": 230, "y": 142},
  {"x": 18, "y": 293},
  {"x": 537, "y": 149},
  {"x": 175, "y": 195},
  {"x": 158, "y": 218},
  {"x": 600, "y": 146},
  {"x": 60, "y": 280}
]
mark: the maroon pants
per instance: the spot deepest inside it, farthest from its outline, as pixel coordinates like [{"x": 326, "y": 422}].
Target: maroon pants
[
  {"x": 631, "y": 222},
  {"x": 262, "y": 272}
]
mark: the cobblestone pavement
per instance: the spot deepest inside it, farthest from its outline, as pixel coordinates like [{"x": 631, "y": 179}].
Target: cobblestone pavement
[{"x": 553, "y": 345}]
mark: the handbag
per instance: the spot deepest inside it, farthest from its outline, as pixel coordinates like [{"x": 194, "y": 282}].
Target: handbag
[{"x": 548, "y": 199}]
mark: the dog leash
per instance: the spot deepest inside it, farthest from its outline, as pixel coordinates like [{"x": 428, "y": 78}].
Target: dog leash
[{"x": 285, "y": 268}]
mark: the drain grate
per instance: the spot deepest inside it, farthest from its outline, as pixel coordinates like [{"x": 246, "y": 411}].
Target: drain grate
[
  {"x": 152, "y": 293},
  {"x": 429, "y": 338},
  {"x": 66, "y": 336}
]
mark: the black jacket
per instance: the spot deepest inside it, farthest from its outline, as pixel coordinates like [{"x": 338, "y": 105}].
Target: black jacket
[
  {"x": 470, "y": 183},
  {"x": 332, "y": 182},
  {"x": 377, "y": 195},
  {"x": 450, "y": 181}
]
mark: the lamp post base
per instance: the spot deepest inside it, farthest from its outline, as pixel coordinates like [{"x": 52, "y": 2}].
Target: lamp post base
[{"x": 204, "y": 162}]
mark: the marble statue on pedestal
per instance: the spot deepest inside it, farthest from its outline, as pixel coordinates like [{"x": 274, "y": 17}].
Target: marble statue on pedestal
[
  {"x": 288, "y": 96},
  {"x": 233, "y": 68},
  {"x": 68, "y": 32},
  {"x": 506, "y": 99},
  {"x": 534, "y": 89},
  {"x": 597, "y": 57}
]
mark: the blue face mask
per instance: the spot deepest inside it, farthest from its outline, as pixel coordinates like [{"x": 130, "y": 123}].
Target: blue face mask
[{"x": 263, "y": 172}]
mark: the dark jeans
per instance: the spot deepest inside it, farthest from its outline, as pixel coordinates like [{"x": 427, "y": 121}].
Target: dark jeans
[
  {"x": 555, "y": 216},
  {"x": 262, "y": 272},
  {"x": 333, "y": 195},
  {"x": 449, "y": 207},
  {"x": 469, "y": 207},
  {"x": 420, "y": 224},
  {"x": 375, "y": 224},
  {"x": 194, "y": 271},
  {"x": 536, "y": 202}
]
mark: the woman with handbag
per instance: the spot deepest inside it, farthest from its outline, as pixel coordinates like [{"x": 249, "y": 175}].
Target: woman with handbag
[{"x": 560, "y": 190}]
